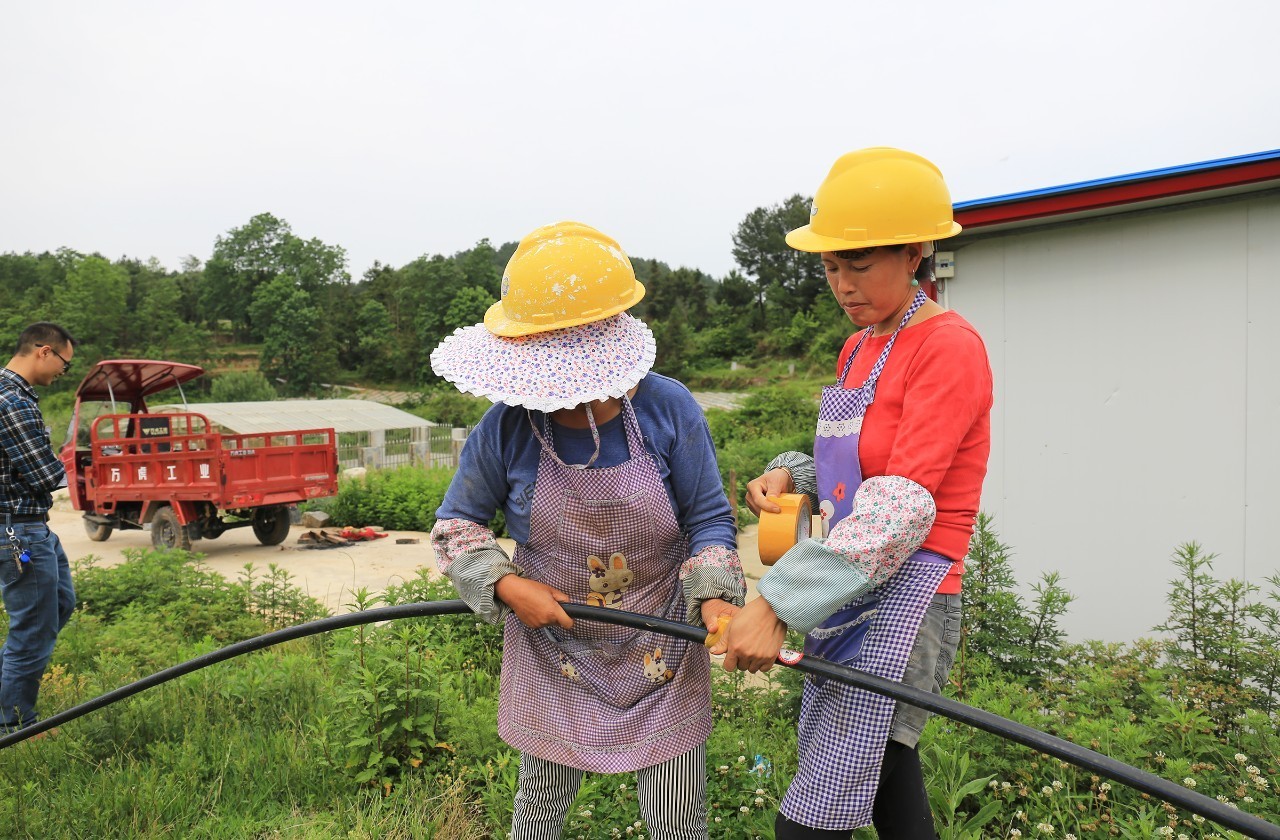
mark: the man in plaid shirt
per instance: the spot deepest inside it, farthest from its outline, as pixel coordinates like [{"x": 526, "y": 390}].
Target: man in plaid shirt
[{"x": 35, "y": 578}]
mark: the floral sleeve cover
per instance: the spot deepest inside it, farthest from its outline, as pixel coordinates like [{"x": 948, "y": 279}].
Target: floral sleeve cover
[
  {"x": 469, "y": 555},
  {"x": 714, "y": 572},
  {"x": 891, "y": 517}
]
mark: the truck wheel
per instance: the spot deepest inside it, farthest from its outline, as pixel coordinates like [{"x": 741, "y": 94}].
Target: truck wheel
[
  {"x": 271, "y": 524},
  {"x": 167, "y": 531},
  {"x": 97, "y": 532}
]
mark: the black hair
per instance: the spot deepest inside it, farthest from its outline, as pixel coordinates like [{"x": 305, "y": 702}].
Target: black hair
[
  {"x": 40, "y": 334},
  {"x": 924, "y": 271}
]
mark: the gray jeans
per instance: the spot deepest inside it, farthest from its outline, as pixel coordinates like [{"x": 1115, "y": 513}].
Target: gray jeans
[{"x": 932, "y": 656}]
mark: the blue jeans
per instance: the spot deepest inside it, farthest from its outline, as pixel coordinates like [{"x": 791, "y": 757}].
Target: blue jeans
[
  {"x": 929, "y": 666},
  {"x": 39, "y": 602}
]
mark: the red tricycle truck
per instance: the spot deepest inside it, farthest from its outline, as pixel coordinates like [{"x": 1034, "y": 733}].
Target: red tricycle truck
[{"x": 170, "y": 471}]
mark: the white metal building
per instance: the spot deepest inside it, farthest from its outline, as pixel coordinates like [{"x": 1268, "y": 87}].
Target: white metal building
[{"x": 1131, "y": 324}]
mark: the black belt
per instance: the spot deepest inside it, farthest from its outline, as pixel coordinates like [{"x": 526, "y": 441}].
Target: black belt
[{"x": 19, "y": 518}]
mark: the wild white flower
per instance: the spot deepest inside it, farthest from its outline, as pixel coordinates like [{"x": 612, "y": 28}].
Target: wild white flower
[
  {"x": 1046, "y": 790},
  {"x": 741, "y": 758},
  {"x": 993, "y": 784},
  {"x": 744, "y": 809},
  {"x": 1057, "y": 785},
  {"x": 1044, "y": 828},
  {"x": 1241, "y": 758},
  {"x": 1104, "y": 787},
  {"x": 759, "y": 791},
  {"x": 759, "y": 802},
  {"x": 1013, "y": 832},
  {"x": 1189, "y": 782},
  {"x": 1005, "y": 785},
  {"x": 1251, "y": 770}
]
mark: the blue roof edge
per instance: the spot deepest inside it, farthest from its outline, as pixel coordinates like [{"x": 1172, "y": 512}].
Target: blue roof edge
[{"x": 1219, "y": 163}]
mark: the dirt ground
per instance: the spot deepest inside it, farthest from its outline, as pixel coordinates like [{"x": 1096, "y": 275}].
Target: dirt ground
[{"x": 330, "y": 575}]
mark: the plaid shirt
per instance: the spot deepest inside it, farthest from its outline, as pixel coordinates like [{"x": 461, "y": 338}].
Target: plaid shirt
[{"x": 29, "y": 469}]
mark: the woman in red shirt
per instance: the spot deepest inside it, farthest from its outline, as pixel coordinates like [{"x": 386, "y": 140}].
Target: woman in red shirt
[{"x": 900, "y": 453}]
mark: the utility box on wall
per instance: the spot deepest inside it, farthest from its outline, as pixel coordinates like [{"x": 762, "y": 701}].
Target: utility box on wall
[{"x": 944, "y": 266}]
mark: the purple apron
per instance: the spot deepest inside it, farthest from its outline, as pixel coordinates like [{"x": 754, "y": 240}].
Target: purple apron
[
  {"x": 843, "y": 730},
  {"x": 601, "y": 697}
]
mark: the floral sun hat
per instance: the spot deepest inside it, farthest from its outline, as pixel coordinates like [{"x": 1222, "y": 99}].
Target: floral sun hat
[
  {"x": 549, "y": 371},
  {"x": 559, "y": 337}
]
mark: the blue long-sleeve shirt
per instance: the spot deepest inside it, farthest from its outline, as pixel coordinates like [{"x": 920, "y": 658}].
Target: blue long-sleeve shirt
[{"x": 499, "y": 463}]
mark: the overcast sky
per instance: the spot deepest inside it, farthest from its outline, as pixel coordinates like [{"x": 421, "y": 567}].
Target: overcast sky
[{"x": 394, "y": 129}]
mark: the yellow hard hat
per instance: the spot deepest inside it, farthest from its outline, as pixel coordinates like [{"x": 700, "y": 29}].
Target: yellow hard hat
[
  {"x": 877, "y": 196},
  {"x": 563, "y": 275}
]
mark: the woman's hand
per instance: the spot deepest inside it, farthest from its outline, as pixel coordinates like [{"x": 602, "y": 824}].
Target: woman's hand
[
  {"x": 534, "y": 603},
  {"x": 713, "y": 609},
  {"x": 754, "y": 638},
  {"x": 773, "y": 483}
]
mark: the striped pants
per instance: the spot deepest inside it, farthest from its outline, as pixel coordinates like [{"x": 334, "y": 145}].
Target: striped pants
[{"x": 672, "y": 797}]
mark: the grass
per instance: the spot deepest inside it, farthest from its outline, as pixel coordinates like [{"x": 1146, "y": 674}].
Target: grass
[{"x": 389, "y": 731}]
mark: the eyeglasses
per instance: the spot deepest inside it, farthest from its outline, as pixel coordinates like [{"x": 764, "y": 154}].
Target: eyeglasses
[{"x": 66, "y": 366}]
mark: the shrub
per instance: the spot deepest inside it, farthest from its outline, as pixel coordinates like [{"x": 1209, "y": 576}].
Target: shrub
[
  {"x": 448, "y": 406},
  {"x": 1021, "y": 640},
  {"x": 241, "y": 386},
  {"x": 403, "y": 499}
]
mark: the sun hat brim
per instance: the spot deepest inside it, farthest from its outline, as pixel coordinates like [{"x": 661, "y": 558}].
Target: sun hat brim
[{"x": 548, "y": 371}]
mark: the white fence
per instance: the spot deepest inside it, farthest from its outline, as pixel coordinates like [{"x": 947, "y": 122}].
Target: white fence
[{"x": 436, "y": 446}]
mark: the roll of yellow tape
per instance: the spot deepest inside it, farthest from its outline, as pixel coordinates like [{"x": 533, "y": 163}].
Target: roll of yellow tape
[{"x": 779, "y": 531}]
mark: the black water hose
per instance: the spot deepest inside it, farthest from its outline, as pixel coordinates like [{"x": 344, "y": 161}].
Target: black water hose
[{"x": 1140, "y": 780}]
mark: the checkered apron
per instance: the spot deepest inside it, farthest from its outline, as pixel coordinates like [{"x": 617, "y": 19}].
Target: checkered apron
[
  {"x": 843, "y": 730},
  {"x": 600, "y": 697}
]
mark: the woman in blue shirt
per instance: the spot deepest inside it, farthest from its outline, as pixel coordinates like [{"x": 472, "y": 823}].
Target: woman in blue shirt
[{"x": 607, "y": 478}]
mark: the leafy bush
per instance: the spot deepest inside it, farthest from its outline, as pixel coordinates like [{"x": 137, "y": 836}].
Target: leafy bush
[
  {"x": 447, "y": 406},
  {"x": 771, "y": 421},
  {"x": 1023, "y": 641},
  {"x": 1225, "y": 641},
  {"x": 403, "y": 499},
  {"x": 241, "y": 386}
]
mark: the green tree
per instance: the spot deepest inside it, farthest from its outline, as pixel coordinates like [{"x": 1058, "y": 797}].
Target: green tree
[
  {"x": 468, "y": 307},
  {"x": 291, "y": 346},
  {"x": 28, "y": 281},
  {"x": 674, "y": 344},
  {"x": 481, "y": 267},
  {"x": 93, "y": 304},
  {"x": 784, "y": 278},
  {"x": 256, "y": 254},
  {"x": 244, "y": 259},
  {"x": 242, "y": 386},
  {"x": 379, "y": 352},
  {"x": 430, "y": 283}
]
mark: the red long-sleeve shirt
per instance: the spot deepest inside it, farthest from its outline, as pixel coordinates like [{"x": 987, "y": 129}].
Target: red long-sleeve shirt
[{"x": 931, "y": 423}]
